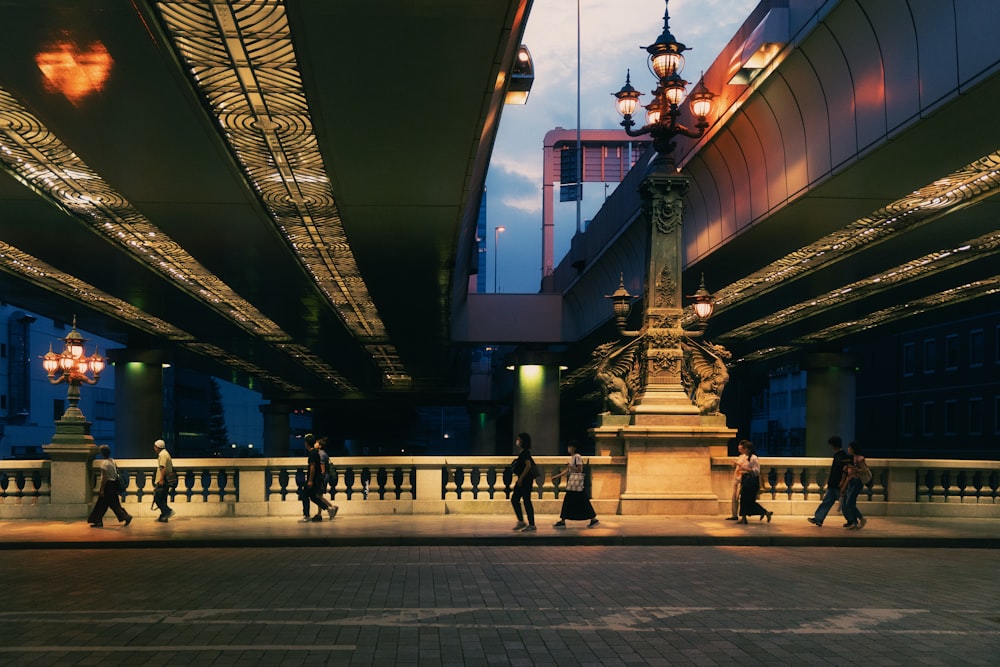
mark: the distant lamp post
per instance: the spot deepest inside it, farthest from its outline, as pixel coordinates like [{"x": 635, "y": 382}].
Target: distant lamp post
[
  {"x": 496, "y": 254},
  {"x": 664, "y": 348},
  {"x": 74, "y": 367}
]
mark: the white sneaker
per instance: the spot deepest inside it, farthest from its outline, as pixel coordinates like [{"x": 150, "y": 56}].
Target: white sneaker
[
  {"x": 305, "y": 519},
  {"x": 528, "y": 529},
  {"x": 520, "y": 526},
  {"x": 332, "y": 512}
]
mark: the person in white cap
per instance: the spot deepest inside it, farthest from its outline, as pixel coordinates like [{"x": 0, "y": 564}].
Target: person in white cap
[{"x": 164, "y": 468}]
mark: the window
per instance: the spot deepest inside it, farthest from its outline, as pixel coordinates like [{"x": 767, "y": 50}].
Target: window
[
  {"x": 58, "y": 408},
  {"x": 950, "y": 417},
  {"x": 928, "y": 418},
  {"x": 976, "y": 347},
  {"x": 930, "y": 355},
  {"x": 909, "y": 358},
  {"x": 951, "y": 352},
  {"x": 975, "y": 416},
  {"x": 907, "y": 424}
]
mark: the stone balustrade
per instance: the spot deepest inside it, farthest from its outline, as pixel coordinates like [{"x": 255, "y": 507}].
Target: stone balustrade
[{"x": 482, "y": 484}]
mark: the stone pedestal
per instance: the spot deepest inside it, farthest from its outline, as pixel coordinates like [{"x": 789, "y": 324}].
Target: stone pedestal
[
  {"x": 669, "y": 468},
  {"x": 71, "y": 478}
]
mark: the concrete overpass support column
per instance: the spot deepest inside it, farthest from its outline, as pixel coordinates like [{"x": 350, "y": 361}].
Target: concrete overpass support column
[
  {"x": 138, "y": 402},
  {"x": 830, "y": 400},
  {"x": 277, "y": 428},
  {"x": 536, "y": 404}
]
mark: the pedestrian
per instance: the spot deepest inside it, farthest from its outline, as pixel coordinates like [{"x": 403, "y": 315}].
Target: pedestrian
[
  {"x": 525, "y": 471},
  {"x": 750, "y": 485},
  {"x": 164, "y": 472},
  {"x": 738, "y": 466},
  {"x": 840, "y": 459},
  {"x": 576, "y": 506},
  {"x": 108, "y": 492},
  {"x": 324, "y": 458},
  {"x": 310, "y": 493},
  {"x": 857, "y": 474}
]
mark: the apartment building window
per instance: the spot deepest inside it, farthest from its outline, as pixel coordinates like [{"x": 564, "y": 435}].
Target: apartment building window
[
  {"x": 975, "y": 416},
  {"x": 927, "y": 418},
  {"x": 951, "y": 352},
  {"x": 976, "y": 347},
  {"x": 950, "y": 417},
  {"x": 908, "y": 415},
  {"x": 930, "y": 355},
  {"x": 909, "y": 358}
]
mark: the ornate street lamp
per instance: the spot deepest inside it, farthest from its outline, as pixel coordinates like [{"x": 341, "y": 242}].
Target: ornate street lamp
[
  {"x": 671, "y": 373},
  {"x": 666, "y": 61},
  {"x": 74, "y": 367}
]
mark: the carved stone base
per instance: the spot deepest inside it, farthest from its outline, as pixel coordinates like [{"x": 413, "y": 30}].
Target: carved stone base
[{"x": 669, "y": 467}]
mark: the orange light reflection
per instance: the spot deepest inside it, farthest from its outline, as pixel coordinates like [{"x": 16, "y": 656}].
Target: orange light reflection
[{"x": 74, "y": 72}]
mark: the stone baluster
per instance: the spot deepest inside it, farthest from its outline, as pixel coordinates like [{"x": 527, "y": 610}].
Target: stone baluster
[
  {"x": 450, "y": 487},
  {"x": 406, "y": 490}
]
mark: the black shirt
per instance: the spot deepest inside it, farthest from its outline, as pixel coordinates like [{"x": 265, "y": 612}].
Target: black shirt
[{"x": 840, "y": 459}]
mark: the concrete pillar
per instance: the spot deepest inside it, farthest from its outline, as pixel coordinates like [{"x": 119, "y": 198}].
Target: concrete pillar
[
  {"x": 536, "y": 401},
  {"x": 830, "y": 400},
  {"x": 277, "y": 428},
  {"x": 138, "y": 401}
]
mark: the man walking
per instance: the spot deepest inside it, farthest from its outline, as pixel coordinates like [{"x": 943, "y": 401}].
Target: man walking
[
  {"x": 164, "y": 470},
  {"x": 840, "y": 459},
  {"x": 313, "y": 489}
]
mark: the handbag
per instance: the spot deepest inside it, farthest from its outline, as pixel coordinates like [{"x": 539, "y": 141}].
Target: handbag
[{"x": 575, "y": 481}]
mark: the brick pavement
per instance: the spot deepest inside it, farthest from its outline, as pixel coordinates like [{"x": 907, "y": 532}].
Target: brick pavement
[{"x": 482, "y": 603}]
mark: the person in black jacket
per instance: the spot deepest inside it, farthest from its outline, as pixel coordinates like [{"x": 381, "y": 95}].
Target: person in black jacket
[
  {"x": 523, "y": 469},
  {"x": 840, "y": 459}
]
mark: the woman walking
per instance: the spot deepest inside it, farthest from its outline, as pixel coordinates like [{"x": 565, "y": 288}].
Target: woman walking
[
  {"x": 576, "y": 506},
  {"x": 750, "y": 484},
  {"x": 857, "y": 475},
  {"x": 525, "y": 472}
]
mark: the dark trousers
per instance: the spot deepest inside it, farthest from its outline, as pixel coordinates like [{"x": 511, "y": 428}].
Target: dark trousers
[
  {"x": 522, "y": 492},
  {"x": 160, "y": 499},
  {"x": 108, "y": 499},
  {"x": 749, "y": 485},
  {"x": 849, "y": 506},
  {"x": 829, "y": 498},
  {"x": 311, "y": 493}
]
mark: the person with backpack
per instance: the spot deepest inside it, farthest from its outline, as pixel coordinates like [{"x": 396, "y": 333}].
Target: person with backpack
[
  {"x": 312, "y": 492},
  {"x": 324, "y": 458},
  {"x": 840, "y": 459},
  {"x": 576, "y": 505},
  {"x": 164, "y": 472},
  {"x": 108, "y": 493},
  {"x": 525, "y": 472},
  {"x": 857, "y": 474}
]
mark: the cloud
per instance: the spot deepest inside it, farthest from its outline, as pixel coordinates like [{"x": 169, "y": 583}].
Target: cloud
[{"x": 611, "y": 34}]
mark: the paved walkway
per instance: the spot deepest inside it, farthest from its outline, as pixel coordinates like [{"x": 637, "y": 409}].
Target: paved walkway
[
  {"x": 456, "y": 591},
  {"x": 495, "y": 530}
]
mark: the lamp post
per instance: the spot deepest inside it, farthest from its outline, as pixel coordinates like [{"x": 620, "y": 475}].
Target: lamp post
[
  {"x": 496, "y": 253},
  {"x": 74, "y": 367},
  {"x": 660, "y": 387}
]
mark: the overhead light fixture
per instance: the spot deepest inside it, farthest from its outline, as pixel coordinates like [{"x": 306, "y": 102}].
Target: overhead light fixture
[{"x": 522, "y": 76}]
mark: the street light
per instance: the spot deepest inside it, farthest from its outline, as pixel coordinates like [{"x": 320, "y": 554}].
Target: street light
[
  {"x": 496, "y": 253},
  {"x": 662, "y": 114},
  {"x": 676, "y": 374},
  {"x": 74, "y": 367}
]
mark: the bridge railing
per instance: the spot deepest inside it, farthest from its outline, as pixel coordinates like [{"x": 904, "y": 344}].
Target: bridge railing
[{"x": 478, "y": 484}]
